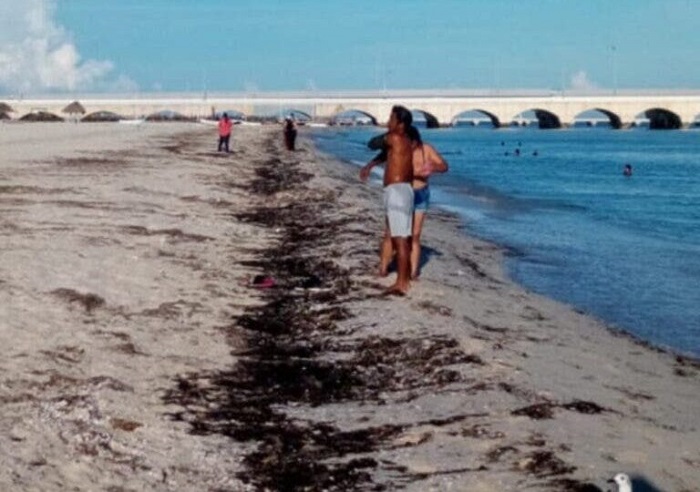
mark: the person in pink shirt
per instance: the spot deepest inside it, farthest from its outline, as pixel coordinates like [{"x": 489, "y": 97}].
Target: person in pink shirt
[{"x": 225, "y": 125}]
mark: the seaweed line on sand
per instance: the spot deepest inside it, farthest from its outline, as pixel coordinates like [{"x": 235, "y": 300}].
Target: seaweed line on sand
[{"x": 287, "y": 358}]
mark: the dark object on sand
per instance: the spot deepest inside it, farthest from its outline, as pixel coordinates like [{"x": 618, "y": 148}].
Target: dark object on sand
[
  {"x": 311, "y": 282},
  {"x": 263, "y": 282},
  {"x": 290, "y": 134}
]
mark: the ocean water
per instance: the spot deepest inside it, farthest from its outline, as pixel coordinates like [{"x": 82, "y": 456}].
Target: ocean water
[{"x": 624, "y": 249}]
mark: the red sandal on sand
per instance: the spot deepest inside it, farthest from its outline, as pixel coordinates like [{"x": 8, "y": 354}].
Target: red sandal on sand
[{"x": 263, "y": 282}]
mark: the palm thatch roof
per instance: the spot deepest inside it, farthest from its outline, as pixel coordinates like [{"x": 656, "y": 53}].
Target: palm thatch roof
[
  {"x": 74, "y": 108},
  {"x": 6, "y": 108}
]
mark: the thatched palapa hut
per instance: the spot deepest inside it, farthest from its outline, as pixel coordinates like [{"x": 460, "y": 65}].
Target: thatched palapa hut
[
  {"x": 74, "y": 108},
  {"x": 74, "y": 111}
]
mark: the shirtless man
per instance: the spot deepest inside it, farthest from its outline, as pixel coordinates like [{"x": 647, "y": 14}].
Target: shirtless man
[{"x": 398, "y": 193}]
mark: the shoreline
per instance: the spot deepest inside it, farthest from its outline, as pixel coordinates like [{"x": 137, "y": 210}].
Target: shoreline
[
  {"x": 614, "y": 330},
  {"x": 505, "y": 250},
  {"x": 160, "y": 366},
  {"x": 509, "y": 253}
]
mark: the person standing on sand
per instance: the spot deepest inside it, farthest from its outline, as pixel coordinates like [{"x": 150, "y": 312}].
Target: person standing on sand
[
  {"x": 290, "y": 133},
  {"x": 398, "y": 194},
  {"x": 426, "y": 161},
  {"x": 225, "y": 126}
]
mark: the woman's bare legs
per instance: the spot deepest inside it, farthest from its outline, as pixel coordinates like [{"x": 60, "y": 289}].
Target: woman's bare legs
[{"x": 418, "y": 219}]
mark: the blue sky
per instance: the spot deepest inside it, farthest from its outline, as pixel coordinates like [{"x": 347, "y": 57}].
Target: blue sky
[{"x": 237, "y": 45}]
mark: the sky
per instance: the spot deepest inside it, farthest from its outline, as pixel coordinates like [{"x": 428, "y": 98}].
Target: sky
[{"x": 140, "y": 46}]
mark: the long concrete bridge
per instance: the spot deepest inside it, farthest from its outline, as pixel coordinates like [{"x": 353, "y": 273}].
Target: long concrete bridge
[{"x": 551, "y": 110}]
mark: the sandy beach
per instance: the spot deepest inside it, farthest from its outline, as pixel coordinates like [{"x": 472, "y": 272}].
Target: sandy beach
[{"x": 140, "y": 352}]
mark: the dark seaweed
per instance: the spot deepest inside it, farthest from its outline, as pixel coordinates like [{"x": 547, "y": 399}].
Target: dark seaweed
[{"x": 295, "y": 353}]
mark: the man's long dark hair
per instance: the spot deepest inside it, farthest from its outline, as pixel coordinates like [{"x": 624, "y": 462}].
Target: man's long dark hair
[
  {"x": 403, "y": 115},
  {"x": 414, "y": 135}
]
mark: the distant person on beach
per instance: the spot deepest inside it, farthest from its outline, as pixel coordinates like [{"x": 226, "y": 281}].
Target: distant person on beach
[
  {"x": 398, "y": 193},
  {"x": 426, "y": 161},
  {"x": 225, "y": 126},
  {"x": 627, "y": 171},
  {"x": 290, "y": 133}
]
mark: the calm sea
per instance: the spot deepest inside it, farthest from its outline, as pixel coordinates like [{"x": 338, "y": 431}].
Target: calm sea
[{"x": 624, "y": 249}]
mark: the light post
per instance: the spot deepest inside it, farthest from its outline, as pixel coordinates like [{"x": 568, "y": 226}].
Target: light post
[
  {"x": 496, "y": 77},
  {"x": 613, "y": 63}
]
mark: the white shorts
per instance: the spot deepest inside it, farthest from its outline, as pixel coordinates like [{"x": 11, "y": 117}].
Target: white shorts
[{"x": 398, "y": 201}]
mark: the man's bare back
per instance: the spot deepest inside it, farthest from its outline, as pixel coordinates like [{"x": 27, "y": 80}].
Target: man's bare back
[{"x": 399, "y": 168}]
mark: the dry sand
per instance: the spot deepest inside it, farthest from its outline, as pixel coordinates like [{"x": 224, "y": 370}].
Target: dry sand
[{"x": 135, "y": 356}]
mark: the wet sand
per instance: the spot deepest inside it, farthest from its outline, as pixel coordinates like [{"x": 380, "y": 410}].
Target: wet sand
[{"x": 138, "y": 354}]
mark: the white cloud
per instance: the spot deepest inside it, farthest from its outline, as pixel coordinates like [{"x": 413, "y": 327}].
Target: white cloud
[
  {"x": 38, "y": 55},
  {"x": 581, "y": 82}
]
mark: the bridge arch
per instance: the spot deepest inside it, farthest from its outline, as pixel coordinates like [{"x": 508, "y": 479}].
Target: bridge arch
[
  {"x": 167, "y": 115},
  {"x": 234, "y": 114},
  {"x": 352, "y": 117},
  {"x": 5, "y": 110},
  {"x": 430, "y": 120},
  {"x": 296, "y": 114},
  {"x": 590, "y": 115},
  {"x": 41, "y": 116},
  {"x": 472, "y": 114},
  {"x": 101, "y": 117},
  {"x": 543, "y": 118},
  {"x": 662, "y": 119}
]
